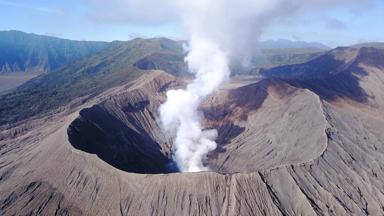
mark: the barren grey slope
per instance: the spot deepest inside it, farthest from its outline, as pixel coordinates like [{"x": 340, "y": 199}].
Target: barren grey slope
[{"x": 284, "y": 150}]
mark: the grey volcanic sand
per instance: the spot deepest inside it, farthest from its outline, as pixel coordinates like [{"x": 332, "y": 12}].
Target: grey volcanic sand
[{"x": 282, "y": 151}]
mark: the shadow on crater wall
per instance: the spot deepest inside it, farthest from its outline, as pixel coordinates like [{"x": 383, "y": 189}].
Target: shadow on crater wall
[{"x": 98, "y": 132}]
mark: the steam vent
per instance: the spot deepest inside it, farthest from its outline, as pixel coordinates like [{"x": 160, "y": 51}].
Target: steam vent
[{"x": 288, "y": 144}]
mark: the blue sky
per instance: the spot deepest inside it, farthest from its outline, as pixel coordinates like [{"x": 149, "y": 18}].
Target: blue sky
[{"x": 72, "y": 19}]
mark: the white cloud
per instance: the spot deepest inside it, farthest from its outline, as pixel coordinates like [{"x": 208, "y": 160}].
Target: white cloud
[{"x": 234, "y": 24}]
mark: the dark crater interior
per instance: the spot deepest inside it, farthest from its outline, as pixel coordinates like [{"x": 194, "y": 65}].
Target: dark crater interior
[
  {"x": 124, "y": 132},
  {"x": 127, "y": 145},
  {"x": 98, "y": 132}
]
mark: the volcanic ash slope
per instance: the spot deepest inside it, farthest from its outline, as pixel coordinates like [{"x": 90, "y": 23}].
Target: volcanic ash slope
[{"x": 284, "y": 148}]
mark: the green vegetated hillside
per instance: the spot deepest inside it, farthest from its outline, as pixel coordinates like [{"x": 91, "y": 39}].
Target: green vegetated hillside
[
  {"x": 22, "y": 52},
  {"x": 113, "y": 66}
]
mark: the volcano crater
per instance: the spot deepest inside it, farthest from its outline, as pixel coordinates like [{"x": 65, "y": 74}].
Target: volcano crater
[{"x": 124, "y": 130}]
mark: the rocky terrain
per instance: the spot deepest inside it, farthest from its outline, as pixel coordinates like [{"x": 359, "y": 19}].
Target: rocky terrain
[{"x": 306, "y": 139}]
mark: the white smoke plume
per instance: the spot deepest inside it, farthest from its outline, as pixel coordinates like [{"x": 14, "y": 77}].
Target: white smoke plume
[
  {"x": 192, "y": 143},
  {"x": 218, "y": 31},
  {"x": 212, "y": 27}
]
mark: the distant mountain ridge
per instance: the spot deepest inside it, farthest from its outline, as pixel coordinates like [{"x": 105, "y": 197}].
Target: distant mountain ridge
[
  {"x": 24, "y": 52},
  {"x": 28, "y": 52},
  {"x": 289, "y": 44},
  {"x": 378, "y": 45}
]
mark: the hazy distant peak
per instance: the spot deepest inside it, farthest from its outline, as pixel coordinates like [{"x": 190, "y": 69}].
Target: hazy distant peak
[
  {"x": 288, "y": 44},
  {"x": 378, "y": 45}
]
